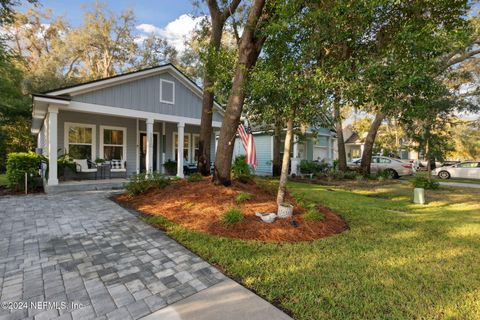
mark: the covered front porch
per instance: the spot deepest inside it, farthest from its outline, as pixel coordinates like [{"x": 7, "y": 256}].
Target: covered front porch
[{"x": 141, "y": 141}]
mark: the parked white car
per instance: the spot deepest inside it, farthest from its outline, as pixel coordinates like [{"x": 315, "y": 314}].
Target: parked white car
[
  {"x": 467, "y": 170},
  {"x": 396, "y": 167}
]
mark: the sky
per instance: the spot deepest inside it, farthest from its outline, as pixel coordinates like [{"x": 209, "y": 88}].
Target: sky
[{"x": 172, "y": 19}]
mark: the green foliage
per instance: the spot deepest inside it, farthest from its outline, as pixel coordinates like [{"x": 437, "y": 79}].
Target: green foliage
[
  {"x": 241, "y": 170},
  {"x": 232, "y": 216},
  {"x": 351, "y": 175},
  {"x": 313, "y": 214},
  {"x": 170, "y": 167},
  {"x": 195, "y": 177},
  {"x": 425, "y": 183},
  {"x": 141, "y": 183},
  {"x": 242, "y": 197},
  {"x": 19, "y": 163},
  {"x": 313, "y": 167}
]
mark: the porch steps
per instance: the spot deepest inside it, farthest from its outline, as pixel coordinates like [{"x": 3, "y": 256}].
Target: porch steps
[{"x": 86, "y": 185}]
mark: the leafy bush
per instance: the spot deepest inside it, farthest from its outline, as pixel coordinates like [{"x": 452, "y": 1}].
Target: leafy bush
[
  {"x": 241, "y": 170},
  {"x": 232, "y": 216},
  {"x": 19, "y": 163},
  {"x": 242, "y": 197},
  {"x": 335, "y": 175},
  {"x": 352, "y": 175},
  {"x": 170, "y": 167},
  {"x": 425, "y": 183},
  {"x": 140, "y": 183},
  {"x": 313, "y": 214},
  {"x": 195, "y": 177},
  {"x": 314, "y": 167}
]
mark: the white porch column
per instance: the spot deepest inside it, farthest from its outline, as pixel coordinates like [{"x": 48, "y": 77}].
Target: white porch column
[
  {"x": 52, "y": 145},
  {"x": 362, "y": 146},
  {"x": 330, "y": 149},
  {"x": 164, "y": 141},
  {"x": 295, "y": 160},
  {"x": 181, "y": 139},
  {"x": 149, "y": 155}
]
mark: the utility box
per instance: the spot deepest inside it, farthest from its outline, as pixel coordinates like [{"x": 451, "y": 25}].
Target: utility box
[{"x": 419, "y": 195}]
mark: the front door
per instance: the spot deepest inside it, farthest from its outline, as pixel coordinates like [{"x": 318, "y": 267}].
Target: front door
[{"x": 143, "y": 152}]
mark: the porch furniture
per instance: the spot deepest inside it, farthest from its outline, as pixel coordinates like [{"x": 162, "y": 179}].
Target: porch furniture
[
  {"x": 190, "y": 168},
  {"x": 117, "y": 165},
  {"x": 102, "y": 169},
  {"x": 85, "y": 166}
]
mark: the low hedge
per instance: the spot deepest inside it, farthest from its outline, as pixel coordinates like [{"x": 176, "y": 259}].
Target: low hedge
[{"x": 19, "y": 163}]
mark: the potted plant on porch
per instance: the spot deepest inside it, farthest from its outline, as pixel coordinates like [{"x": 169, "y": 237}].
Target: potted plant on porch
[{"x": 170, "y": 167}]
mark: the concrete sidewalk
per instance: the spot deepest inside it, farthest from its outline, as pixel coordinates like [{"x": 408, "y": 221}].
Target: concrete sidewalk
[
  {"x": 460, "y": 184},
  {"x": 225, "y": 300}
]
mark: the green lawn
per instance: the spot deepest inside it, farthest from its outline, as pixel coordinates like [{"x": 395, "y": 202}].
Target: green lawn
[
  {"x": 3, "y": 180},
  {"x": 397, "y": 261}
]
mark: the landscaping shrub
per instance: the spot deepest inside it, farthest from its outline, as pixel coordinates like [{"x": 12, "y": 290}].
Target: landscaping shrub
[
  {"x": 232, "y": 216},
  {"x": 140, "y": 183},
  {"x": 426, "y": 183},
  {"x": 242, "y": 197},
  {"x": 195, "y": 177},
  {"x": 241, "y": 170},
  {"x": 307, "y": 167},
  {"x": 313, "y": 214},
  {"x": 170, "y": 167},
  {"x": 352, "y": 175},
  {"x": 19, "y": 163}
]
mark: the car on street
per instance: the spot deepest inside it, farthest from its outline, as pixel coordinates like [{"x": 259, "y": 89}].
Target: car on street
[
  {"x": 395, "y": 167},
  {"x": 466, "y": 170}
]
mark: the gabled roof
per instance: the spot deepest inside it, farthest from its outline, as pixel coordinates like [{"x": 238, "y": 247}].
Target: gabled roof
[
  {"x": 354, "y": 138},
  {"x": 126, "y": 77}
]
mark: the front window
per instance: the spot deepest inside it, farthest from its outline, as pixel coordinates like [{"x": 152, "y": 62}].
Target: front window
[
  {"x": 113, "y": 143},
  {"x": 80, "y": 139},
  {"x": 186, "y": 147},
  {"x": 196, "y": 147}
]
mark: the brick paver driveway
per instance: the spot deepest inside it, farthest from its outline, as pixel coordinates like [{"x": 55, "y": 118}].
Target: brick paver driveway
[{"x": 87, "y": 257}]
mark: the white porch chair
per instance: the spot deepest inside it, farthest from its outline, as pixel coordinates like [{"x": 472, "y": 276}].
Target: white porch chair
[
  {"x": 118, "y": 166},
  {"x": 85, "y": 166}
]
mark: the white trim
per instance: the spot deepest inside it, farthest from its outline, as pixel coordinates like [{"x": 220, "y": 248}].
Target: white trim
[
  {"x": 134, "y": 76},
  {"x": 161, "y": 91},
  {"x": 130, "y": 113},
  {"x": 137, "y": 146},
  {"x": 51, "y": 100},
  {"x": 189, "y": 135},
  {"x": 124, "y": 145},
  {"x": 193, "y": 136},
  {"x": 66, "y": 142},
  {"x": 157, "y": 133}
]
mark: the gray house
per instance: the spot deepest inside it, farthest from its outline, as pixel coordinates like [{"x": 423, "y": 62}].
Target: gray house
[{"x": 140, "y": 120}]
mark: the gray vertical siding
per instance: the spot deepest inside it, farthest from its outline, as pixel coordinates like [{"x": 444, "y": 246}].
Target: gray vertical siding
[{"x": 144, "y": 95}]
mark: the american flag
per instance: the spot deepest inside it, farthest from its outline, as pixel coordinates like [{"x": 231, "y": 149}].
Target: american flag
[{"x": 246, "y": 137}]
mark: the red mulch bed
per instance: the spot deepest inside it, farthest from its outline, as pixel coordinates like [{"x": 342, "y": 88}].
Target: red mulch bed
[{"x": 200, "y": 205}]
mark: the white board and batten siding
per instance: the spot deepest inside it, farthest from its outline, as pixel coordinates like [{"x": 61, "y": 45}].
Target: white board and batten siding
[{"x": 263, "y": 144}]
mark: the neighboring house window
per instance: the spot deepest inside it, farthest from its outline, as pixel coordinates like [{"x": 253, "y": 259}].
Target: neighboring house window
[
  {"x": 196, "y": 146},
  {"x": 167, "y": 91},
  {"x": 186, "y": 147},
  {"x": 113, "y": 143},
  {"x": 355, "y": 153},
  {"x": 79, "y": 140}
]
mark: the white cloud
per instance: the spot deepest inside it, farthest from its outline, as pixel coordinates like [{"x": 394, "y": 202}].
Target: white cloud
[{"x": 175, "y": 32}]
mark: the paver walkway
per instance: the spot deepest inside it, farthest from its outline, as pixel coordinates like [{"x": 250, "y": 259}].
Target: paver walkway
[{"x": 89, "y": 258}]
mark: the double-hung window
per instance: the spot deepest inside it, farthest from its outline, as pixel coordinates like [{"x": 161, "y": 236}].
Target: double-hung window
[
  {"x": 80, "y": 140},
  {"x": 113, "y": 143}
]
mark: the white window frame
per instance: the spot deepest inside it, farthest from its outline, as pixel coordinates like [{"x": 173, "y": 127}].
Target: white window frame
[
  {"x": 175, "y": 134},
  {"x": 66, "y": 143},
  {"x": 193, "y": 136},
  {"x": 161, "y": 93},
  {"x": 124, "y": 145}
]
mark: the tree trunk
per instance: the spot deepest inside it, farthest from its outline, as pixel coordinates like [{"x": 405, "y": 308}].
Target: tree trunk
[
  {"x": 282, "y": 187},
  {"x": 369, "y": 142},
  {"x": 205, "y": 138},
  {"x": 342, "y": 156},
  {"x": 248, "y": 51},
  {"x": 277, "y": 141}
]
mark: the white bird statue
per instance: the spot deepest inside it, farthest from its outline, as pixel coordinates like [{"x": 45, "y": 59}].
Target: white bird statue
[{"x": 266, "y": 217}]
